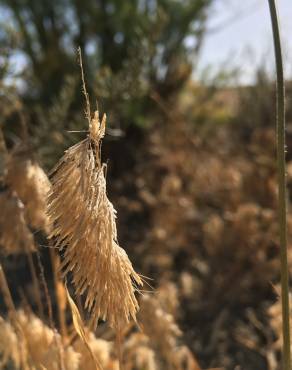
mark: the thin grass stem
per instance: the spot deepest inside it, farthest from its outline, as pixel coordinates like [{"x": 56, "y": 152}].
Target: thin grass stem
[
  {"x": 46, "y": 291},
  {"x": 36, "y": 286},
  {"x": 282, "y": 206}
]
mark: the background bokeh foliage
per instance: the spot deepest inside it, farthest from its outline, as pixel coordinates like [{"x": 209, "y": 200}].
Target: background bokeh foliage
[
  {"x": 191, "y": 158},
  {"x": 132, "y": 50}
]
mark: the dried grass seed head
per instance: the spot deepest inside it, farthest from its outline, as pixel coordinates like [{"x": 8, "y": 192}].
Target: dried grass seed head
[
  {"x": 84, "y": 227},
  {"x": 31, "y": 184}
]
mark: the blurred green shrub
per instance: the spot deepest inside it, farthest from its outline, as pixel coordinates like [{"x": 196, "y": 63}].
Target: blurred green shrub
[{"x": 130, "y": 50}]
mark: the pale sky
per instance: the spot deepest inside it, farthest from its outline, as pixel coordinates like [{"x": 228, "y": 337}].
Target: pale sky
[
  {"x": 240, "y": 36},
  {"x": 246, "y": 40}
]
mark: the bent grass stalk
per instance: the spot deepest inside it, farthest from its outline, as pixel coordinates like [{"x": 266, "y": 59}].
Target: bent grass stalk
[{"x": 282, "y": 186}]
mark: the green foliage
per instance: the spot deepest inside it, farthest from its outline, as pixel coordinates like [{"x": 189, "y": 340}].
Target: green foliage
[
  {"x": 130, "y": 50},
  {"x": 113, "y": 34}
]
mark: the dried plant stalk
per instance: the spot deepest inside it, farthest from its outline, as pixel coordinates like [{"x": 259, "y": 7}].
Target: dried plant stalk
[
  {"x": 80, "y": 329},
  {"x": 84, "y": 227},
  {"x": 60, "y": 292},
  {"x": 36, "y": 285}
]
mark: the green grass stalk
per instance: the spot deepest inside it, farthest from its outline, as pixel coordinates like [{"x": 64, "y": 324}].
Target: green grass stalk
[{"x": 282, "y": 206}]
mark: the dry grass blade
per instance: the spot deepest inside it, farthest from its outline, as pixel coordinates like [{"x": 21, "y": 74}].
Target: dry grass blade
[
  {"x": 83, "y": 223},
  {"x": 79, "y": 327}
]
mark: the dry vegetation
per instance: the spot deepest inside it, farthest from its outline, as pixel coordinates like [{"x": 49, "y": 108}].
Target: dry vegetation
[
  {"x": 159, "y": 249},
  {"x": 74, "y": 211},
  {"x": 211, "y": 231},
  {"x": 196, "y": 215}
]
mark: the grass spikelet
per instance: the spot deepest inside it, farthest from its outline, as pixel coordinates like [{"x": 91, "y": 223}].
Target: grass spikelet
[
  {"x": 84, "y": 228},
  {"x": 15, "y": 236},
  {"x": 31, "y": 184}
]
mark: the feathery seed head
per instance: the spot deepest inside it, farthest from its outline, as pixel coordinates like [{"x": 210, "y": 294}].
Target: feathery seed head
[{"x": 84, "y": 227}]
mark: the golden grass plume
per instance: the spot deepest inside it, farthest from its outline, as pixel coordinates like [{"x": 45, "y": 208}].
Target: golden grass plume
[{"x": 84, "y": 228}]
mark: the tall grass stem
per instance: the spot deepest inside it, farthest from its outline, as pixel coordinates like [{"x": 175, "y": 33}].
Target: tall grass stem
[{"x": 282, "y": 206}]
